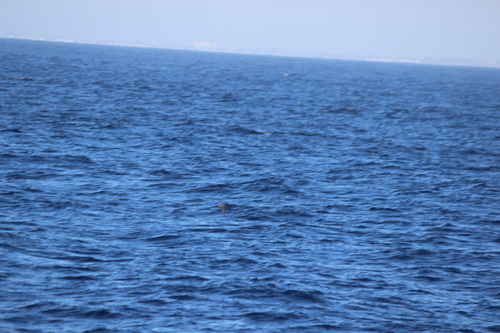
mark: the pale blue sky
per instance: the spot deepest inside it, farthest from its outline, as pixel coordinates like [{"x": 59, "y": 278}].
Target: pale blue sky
[{"x": 407, "y": 29}]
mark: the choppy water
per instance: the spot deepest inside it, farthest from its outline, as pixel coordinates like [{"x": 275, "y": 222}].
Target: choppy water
[{"x": 362, "y": 197}]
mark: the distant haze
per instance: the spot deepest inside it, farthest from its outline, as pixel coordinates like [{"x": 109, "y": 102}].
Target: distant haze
[{"x": 443, "y": 31}]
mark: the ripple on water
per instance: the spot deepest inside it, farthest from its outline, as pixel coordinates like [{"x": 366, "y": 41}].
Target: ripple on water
[{"x": 359, "y": 196}]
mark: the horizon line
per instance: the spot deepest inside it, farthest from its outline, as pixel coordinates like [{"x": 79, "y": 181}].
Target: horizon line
[{"x": 438, "y": 62}]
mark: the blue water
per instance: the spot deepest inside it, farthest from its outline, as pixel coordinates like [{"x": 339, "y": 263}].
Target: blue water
[{"x": 361, "y": 197}]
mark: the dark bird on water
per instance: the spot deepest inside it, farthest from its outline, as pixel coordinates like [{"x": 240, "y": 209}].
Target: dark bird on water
[{"x": 223, "y": 208}]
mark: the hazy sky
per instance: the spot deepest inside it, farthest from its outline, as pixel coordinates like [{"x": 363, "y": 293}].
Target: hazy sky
[{"x": 414, "y": 29}]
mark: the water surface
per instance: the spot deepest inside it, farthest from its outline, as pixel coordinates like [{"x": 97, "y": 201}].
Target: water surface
[{"x": 361, "y": 197}]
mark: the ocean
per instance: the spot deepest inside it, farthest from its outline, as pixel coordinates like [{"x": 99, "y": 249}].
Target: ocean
[{"x": 358, "y": 196}]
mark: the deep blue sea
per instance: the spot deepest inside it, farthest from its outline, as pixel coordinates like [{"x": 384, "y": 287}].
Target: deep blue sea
[{"x": 360, "y": 197}]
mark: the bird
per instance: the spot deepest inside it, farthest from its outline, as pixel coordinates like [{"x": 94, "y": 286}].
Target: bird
[{"x": 223, "y": 208}]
